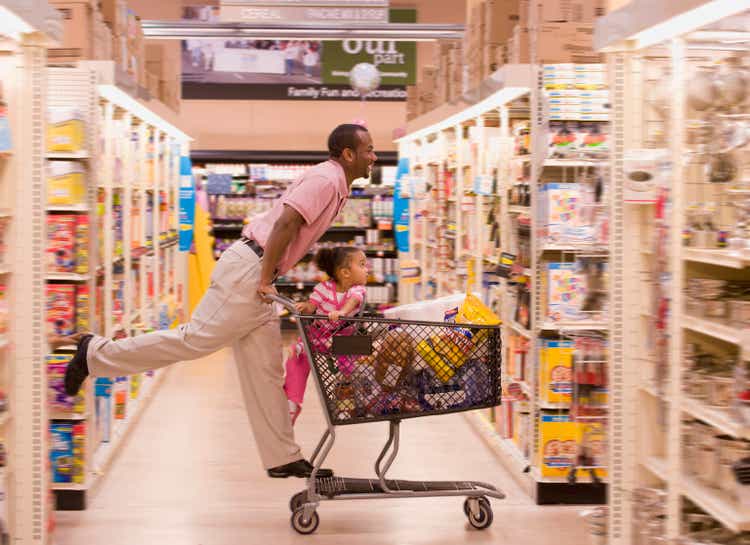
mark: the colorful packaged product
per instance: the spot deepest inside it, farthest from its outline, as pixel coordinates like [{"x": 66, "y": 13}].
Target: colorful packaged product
[
  {"x": 556, "y": 363},
  {"x": 82, "y": 243},
  {"x": 66, "y": 130},
  {"x": 61, "y": 301},
  {"x": 57, "y": 399},
  {"x": 82, "y": 309},
  {"x": 566, "y": 292},
  {"x": 66, "y": 183},
  {"x": 103, "y": 396},
  {"x": 60, "y": 243},
  {"x": 61, "y": 451}
]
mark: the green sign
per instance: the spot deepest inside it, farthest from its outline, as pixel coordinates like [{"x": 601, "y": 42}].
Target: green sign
[{"x": 396, "y": 61}]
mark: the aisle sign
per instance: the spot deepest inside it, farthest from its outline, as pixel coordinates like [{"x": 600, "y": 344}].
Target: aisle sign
[
  {"x": 187, "y": 204},
  {"x": 401, "y": 207}
]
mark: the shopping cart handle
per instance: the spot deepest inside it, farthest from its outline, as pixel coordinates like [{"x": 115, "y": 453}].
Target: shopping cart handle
[{"x": 283, "y": 301}]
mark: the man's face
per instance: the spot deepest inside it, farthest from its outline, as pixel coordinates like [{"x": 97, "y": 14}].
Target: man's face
[{"x": 364, "y": 156}]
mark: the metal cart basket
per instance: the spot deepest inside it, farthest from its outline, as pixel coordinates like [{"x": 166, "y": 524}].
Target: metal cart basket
[{"x": 374, "y": 369}]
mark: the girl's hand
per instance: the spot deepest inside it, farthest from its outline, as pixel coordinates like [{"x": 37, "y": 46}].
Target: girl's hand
[
  {"x": 304, "y": 308},
  {"x": 334, "y": 315}
]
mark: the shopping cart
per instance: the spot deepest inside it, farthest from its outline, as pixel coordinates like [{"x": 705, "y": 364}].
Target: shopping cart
[{"x": 374, "y": 369}]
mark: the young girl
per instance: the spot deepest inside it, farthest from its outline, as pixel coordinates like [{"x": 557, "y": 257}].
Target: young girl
[{"x": 342, "y": 295}]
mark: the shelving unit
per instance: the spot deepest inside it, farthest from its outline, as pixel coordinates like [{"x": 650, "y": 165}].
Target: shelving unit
[
  {"x": 468, "y": 186},
  {"x": 239, "y": 189},
  {"x": 130, "y": 268},
  {"x": 671, "y": 348}
]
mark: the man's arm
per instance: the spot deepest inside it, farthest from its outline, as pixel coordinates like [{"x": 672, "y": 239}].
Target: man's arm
[{"x": 283, "y": 232}]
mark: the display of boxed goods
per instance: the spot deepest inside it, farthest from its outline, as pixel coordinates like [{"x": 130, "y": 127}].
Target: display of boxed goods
[
  {"x": 61, "y": 309},
  {"x": 66, "y": 130},
  {"x": 66, "y": 183},
  {"x": 57, "y": 399},
  {"x": 78, "y": 32},
  {"x": 67, "y": 441},
  {"x": 566, "y": 292},
  {"x": 572, "y": 11},
  {"x": 82, "y": 309},
  {"x": 566, "y": 43},
  {"x": 556, "y": 364},
  {"x": 562, "y": 441},
  {"x": 61, "y": 243}
]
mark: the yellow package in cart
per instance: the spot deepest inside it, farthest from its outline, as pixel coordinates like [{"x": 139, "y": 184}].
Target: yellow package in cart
[
  {"x": 556, "y": 364},
  {"x": 66, "y": 131},
  {"x": 66, "y": 183}
]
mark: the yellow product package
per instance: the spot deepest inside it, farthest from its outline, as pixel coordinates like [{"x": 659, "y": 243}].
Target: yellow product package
[
  {"x": 65, "y": 130},
  {"x": 473, "y": 311},
  {"x": 562, "y": 440},
  {"x": 445, "y": 352},
  {"x": 66, "y": 183},
  {"x": 556, "y": 363}
]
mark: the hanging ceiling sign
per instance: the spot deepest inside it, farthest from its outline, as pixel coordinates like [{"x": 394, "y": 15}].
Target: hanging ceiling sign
[{"x": 300, "y": 11}]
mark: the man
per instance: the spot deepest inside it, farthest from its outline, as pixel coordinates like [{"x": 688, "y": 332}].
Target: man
[{"x": 235, "y": 311}]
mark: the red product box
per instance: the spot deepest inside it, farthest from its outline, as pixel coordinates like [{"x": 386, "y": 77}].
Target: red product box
[
  {"x": 61, "y": 304},
  {"x": 61, "y": 243}
]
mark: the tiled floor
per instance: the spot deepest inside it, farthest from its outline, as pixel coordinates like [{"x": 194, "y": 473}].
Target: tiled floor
[{"x": 189, "y": 475}]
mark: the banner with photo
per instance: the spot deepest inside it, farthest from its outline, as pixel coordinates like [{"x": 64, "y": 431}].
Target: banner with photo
[{"x": 240, "y": 69}]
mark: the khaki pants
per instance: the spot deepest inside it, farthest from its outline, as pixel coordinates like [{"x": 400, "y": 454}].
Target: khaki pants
[{"x": 231, "y": 312}]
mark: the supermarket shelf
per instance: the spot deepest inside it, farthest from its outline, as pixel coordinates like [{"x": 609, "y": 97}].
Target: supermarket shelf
[
  {"x": 518, "y": 328},
  {"x": 656, "y": 465},
  {"x": 574, "y": 326},
  {"x": 713, "y": 329},
  {"x": 562, "y": 163},
  {"x": 724, "y": 258},
  {"x": 650, "y": 390},
  {"x": 516, "y": 209},
  {"x": 553, "y": 406},
  {"x": 62, "y": 415},
  {"x": 572, "y": 248},
  {"x": 67, "y": 277},
  {"x": 717, "y": 418},
  {"x": 70, "y": 486},
  {"x": 716, "y": 504},
  {"x": 83, "y": 154},
  {"x": 71, "y": 208}
]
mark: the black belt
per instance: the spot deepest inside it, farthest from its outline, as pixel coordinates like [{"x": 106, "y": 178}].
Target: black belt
[{"x": 254, "y": 246}]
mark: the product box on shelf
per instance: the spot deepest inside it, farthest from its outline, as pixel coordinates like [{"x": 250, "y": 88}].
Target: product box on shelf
[
  {"x": 61, "y": 243},
  {"x": 82, "y": 244},
  {"x": 66, "y": 183},
  {"x": 572, "y": 11},
  {"x": 558, "y": 444},
  {"x": 57, "y": 399},
  {"x": 566, "y": 43},
  {"x": 500, "y": 16},
  {"x": 78, "y": 32},
  {"x": 566, "y": 292},
  {"x": 103, "y": 396},
  {"x": 115, "y": 14},
  {"x": 61, "y": 301},
  {"x": 66, "y": 130},
  {"x": 556, "y": 363},
  {"x": 67, "y": 440},
  {"x": 82, "y": 309}
]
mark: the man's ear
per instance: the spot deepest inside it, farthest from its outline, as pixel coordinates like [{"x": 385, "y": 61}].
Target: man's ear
[{"x": 347, "y": 154}]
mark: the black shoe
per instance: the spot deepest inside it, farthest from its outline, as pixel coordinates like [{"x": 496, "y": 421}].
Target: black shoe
[
  {"x": 300, "y": 468},
  {"x": 77, "y": 369}
]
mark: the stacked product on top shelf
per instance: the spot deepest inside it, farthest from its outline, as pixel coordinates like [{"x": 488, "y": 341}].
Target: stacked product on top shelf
[
  {"x": 112, "y": 265},
  {"x": 680, "y": 179},
  {"x": 238, "y": 191}
]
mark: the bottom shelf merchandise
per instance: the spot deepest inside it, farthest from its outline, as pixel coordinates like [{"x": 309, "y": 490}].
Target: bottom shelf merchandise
[{"x": 67, "y": 454}]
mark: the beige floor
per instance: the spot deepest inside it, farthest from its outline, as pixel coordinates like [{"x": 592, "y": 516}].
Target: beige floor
[{"x": 189, "y": 475}]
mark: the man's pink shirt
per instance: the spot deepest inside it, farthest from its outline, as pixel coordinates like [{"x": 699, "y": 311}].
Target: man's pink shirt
[{"x": 318, "y": 195}]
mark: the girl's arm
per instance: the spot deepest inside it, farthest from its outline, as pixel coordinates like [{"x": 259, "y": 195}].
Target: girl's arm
[
  {"x": 350, "y": 306},
  {"x": 305, "y": 307}
]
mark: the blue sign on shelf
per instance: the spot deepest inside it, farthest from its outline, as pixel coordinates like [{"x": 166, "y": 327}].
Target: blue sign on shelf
[
  {"x": 401, "y": 207},
  {"x": 187, "y": 204}
]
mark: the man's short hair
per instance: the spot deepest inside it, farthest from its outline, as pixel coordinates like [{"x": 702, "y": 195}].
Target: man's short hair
[{"x": 344, "y": 136}]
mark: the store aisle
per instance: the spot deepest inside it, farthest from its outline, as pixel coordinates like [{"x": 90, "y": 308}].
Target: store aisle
[{"x": 189, "y": 475}]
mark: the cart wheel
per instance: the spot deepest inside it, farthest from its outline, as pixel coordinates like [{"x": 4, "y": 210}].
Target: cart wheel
[
  {"x": 297, "y": 501},
  {"x": 484, "y": 518},
  {"x": 305, "y": 526}
]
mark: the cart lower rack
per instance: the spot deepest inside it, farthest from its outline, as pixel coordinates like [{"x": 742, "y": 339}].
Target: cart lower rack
[{"x": 374, "y": 369}]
